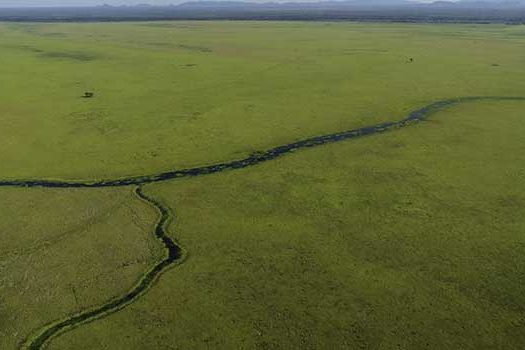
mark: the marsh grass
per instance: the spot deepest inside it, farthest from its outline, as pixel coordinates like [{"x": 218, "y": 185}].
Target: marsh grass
[{"x": 411, "y": 239}]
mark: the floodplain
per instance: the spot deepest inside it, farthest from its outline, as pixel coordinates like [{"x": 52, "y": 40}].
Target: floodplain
[{"x": 407, "y": 238}]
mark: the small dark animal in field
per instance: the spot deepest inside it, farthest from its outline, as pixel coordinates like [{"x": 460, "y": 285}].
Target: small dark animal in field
[
  {"x": 88, "y": 94},
  {"x": 410, "y": 60}
]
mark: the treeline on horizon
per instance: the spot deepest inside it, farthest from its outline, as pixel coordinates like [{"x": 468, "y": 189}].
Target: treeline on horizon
[{"x": 438, "y": 12}]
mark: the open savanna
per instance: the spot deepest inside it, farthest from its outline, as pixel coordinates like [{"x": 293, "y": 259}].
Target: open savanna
[
  {"x": 182, "y": 94},
  {"x": 408, "y": 240},
  {"x": 67, "y": 250},
  {"x": 411, "y": 239}
]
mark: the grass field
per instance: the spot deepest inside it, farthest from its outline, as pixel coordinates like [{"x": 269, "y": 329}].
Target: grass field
[
  {"x": 413, "y": 239},
  {"x": 64, "y": 251},
  {"x": 183, "y": 94}
]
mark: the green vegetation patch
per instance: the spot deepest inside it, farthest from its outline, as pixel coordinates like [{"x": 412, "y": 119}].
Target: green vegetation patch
[
  {"x": 67, "y": 250},
  {"x": 75, "y": 56},
  {"x": 184, "y": 94},
  {"x": 411, "y": 239}
]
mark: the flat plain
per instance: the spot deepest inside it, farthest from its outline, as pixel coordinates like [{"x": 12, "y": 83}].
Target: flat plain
[{"x": 410, "y": 239}]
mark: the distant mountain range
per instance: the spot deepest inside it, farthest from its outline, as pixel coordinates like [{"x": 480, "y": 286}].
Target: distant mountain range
[
  {"x": 349, "y": 4},
  {"x": 355, "y": 4},
  {"x": 465, "y": 11},
  {"x": 480, "y": 4},
  {"x": 331, "y": 4}
]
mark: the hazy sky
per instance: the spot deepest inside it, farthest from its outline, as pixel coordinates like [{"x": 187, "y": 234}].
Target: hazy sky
[{"x": 19, "y": 3}]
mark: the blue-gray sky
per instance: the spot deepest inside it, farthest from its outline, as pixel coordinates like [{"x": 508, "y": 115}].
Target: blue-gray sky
[{"x": 20, "y": 3}]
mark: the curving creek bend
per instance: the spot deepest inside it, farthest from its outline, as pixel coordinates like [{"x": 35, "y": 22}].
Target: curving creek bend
[{"x": 174, "y": 253}]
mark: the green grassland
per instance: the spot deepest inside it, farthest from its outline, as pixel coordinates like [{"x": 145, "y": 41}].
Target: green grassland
[
  {"x": 184, "y": 94},
  {"x": 64, "y": 251},
  {"x": 412, "y": 239}
]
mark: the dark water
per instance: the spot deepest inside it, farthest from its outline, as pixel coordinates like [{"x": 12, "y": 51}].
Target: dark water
[
  {"x": 174, "y": 251},
  {"x": 259, "y": 157},
  {"x": 173, "y": 256}
]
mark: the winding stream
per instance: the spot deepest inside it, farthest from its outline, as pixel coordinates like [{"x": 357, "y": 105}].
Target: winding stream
[
  {"x": 175, "y": 254},
  {"x": 260, "y": 157}
]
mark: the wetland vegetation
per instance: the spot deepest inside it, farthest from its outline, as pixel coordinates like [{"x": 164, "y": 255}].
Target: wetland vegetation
[{"x": 406, "y": 239}]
